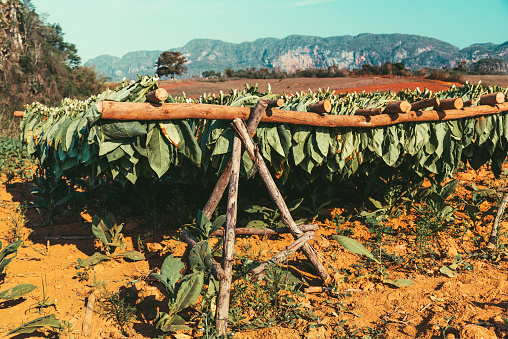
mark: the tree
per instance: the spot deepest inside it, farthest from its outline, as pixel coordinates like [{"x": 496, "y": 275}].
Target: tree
[{"x": 171, "y": 63}]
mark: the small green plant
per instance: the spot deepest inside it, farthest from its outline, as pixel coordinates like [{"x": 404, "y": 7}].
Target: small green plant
[
  {"x": 266, "y": 303},
  {"x": 109, "y": 233},
  {"x": 183, "y": 291},
  {"x": 355, "y": 247},
  {"x": 45, "y": 299},
  {"x": 8, "y": 253},
  {"x": 48, "y": 321},
  {"x": 115, "y": 308},
  {"x": 447, "y": 326},
  {"x": 264, "y": 217},
  {"x": 204, "y": 227}
]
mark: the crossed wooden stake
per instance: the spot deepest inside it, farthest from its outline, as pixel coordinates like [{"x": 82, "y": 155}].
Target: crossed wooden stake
[{"x": 231, "y": 175}]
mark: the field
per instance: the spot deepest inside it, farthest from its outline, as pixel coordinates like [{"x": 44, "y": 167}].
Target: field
[
  {"x": 194, "y": 89},
  {"x": 459, "y": 287}
]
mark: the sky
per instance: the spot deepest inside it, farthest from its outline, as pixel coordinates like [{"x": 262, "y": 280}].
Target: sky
[{"x": 116, "y": 27}]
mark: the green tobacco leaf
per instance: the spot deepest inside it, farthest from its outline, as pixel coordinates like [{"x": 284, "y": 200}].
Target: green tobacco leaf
[
  {"x": 123, "y": 129},
  {"x": 376, "y": 203},
  {"x": 189, "y": 290},
  {"x": 17, "y": 291},
  {"x": 176, "y": 324},
  {"x": 354, "y": 246},
  {"x": 36, "y": 324},
  {"x": 170, "y": 270},
  {"x": 257, "y": 224},
  {"x": 132, "y": 255},
  {"x": 448, "y": 272},
  {"x": 158, "y": 151},
  {"x": 92, "y": 260},
  {"x": 171, "y": 131},
  {"x": 200, "y": 257},
  {"x": 323, "y": 140},
  {"x": 8, "y": 253},
  {"x": 272, "y": 137},
  {"x": 449, "y": 188},
  {"x": 100, "y": 230},
  {"x": 190, "y": 147},
  {"x": 218, "y": 223}
]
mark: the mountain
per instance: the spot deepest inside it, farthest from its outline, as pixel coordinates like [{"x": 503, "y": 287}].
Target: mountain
[{"x": 302, "y": 52}]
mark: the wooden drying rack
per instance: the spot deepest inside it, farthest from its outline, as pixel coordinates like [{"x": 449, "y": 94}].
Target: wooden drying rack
[{"x": 394, "y": 113}]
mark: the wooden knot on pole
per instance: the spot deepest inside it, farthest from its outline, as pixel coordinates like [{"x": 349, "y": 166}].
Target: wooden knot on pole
[
  {"x": 397, "y": 107},
  {"x": 492, "y": 99},
  {"x": 157, "y": 96},
  {"x": 323, "y": 106},
  {"x": 452, "y": 103},
  {"x": 469, "y": 103}
]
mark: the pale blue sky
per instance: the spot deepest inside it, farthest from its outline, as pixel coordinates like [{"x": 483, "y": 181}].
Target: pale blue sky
[{"x": 116, "y": 27}]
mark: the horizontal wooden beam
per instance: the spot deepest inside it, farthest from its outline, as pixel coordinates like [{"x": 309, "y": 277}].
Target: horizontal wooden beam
[
  {"x": 128, "y": 111},
  {"x": 112, "y": 110}
]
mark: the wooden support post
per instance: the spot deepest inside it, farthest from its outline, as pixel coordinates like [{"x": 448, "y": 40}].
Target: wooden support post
[
  {"x": 266, "y": 231},
  {"x": 452, "y": 103},
  {"x": 87, "y": 320},
  {"x": 492, "y": 99},
  {"x": 217, "y": 270},
  {"x": 223, "y": 181},
  {"x": 497, "y": 220},
  {"x": 156, "y": 96},
  {"x": 276, "y": 196},
  {"x": 419, "y": 105},
  {"x": 398, "y": 107},
  {"x": 368, "y": 111},
  {"x": 259, "y": 271},
  {"x": 221, "y": 323},
  {"x": 323, "y": 106}
]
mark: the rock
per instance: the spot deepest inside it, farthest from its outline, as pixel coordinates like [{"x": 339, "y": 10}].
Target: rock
[
  {"x": 450, "y": 336},
  {"x": 477, "y": 332},
  {"x": 368, "y": 286},
  {"x": 316, "y": 333}
]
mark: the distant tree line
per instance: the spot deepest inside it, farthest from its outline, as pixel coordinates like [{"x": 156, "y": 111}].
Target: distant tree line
[
  {"x": 484, "y": 66},
  {"x": 37, "y": 64}
]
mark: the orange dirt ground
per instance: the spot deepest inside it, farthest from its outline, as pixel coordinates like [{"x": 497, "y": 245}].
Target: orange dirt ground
[{"x": 477, "y": 297}]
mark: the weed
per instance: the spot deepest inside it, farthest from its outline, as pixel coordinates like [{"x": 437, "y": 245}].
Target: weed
[
  {"x": 45, "y": 300},
  {"x": 16, "y": 222},
  {"x": 447, "y": 326},
  {"x": 270, "y": 302},
  {"x": 115, "y": 308}
]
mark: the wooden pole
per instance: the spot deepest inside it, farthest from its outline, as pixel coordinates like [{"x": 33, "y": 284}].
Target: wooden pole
[
  {"x": 368, "y": 111},
  {"x": 127, "y": 111},
  {"x": 469, "y": 103},
  {"x": 275, "y": 103},
  {"x": 266, "y": 231},
  {"x": 259, "y": 271},
  {"x": 217, "y": 270},
  {"x": 221, "y": 323},
  {"x": 398, "y": 107},
  {"x": 323, "y": 106},
  {"x": 419, "y": 105},
  {"x": 276, "y": 196},
  {"x": 87, "y": 320},
  {"x": 497, "y": 220},
  {"x": 452, "y": 103},
  {"x": 492, "y": 99},
  {"x": 223, "y": 181},
  {"x": 156, "y": 96}
]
